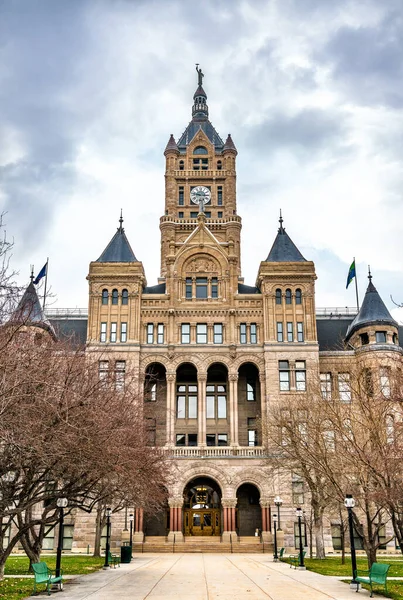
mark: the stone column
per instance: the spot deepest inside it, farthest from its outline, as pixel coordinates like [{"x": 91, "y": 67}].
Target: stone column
[
  {"x": 201, "y": 408},
  {"x": 175, "y": 516},
  {"x": 229, "y": 506},
  {"x": 263, "y": 406},
  {"x": 233, "y": 404},
  {"x": 171, "y": 377},
  {"x": 138, "y": 525},
  {"x": 266, "y": 520}
]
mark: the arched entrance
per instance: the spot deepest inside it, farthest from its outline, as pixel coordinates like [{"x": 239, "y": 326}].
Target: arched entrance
[
  {"x": 249, "y": 514},
  {"x": 202, "y": 507}
]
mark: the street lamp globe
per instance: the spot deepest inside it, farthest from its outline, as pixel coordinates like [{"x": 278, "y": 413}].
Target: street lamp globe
[
  {"x": 349, "y": 501},
  {"x": 108, "y": 512},
  {"x": 131, "y": 517},
  {"x": 299, "y": 513},
  {"x": 62, "y": 502},
  {"x": 278, "y": 501}
]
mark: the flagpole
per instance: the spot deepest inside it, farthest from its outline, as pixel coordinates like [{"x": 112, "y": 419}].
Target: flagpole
[
  {"x": 356, "y": 286},
  {"x": 46, "y": 283}
]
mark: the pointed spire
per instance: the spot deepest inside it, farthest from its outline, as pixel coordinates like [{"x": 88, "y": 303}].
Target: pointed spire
[
  {"x": 118, "y": 249},
  {"x": 229, "y": 144},
  {"x": 171, "y": 146},
  {"x": 372, "y": 312},
  {"x": 284, "y": 249},
  {"x": 200, "y": 108},
  {"x": 29, "y": 311}
]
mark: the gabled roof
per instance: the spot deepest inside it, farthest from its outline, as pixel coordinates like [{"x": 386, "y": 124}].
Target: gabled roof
[
  {"x": 118, "y": 249},
  {"x": 194, "y": 126},
  {"x": 372, "y": 311},
  {"x": 284, "y": 249},
  {"x": 29, "y": 311}
]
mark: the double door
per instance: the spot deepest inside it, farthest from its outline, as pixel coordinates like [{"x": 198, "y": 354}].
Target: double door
[{"x": 202, "y": 522}]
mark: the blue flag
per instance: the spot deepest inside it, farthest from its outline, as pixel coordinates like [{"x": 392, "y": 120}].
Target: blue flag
[
  {"x": 351, "y": 273},
  {"x": 41, "y": 273}
]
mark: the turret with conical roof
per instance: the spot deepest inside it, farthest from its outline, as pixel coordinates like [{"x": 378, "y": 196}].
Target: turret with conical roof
[
  {"x": 287, "y": 280},
  {"x": 116, "y": 280},
  {"x": 373, "y": 323},
  {"x": 29, "y": 312}
]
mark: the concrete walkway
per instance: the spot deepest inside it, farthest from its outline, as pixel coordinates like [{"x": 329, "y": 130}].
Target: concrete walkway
[{"x": 207, "y": 577}]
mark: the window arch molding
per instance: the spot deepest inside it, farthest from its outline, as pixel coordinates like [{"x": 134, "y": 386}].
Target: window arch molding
[{"x": 200, "y": 150}]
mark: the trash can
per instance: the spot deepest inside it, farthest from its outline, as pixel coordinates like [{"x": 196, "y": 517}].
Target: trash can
[{"x": 125, "y": 554}]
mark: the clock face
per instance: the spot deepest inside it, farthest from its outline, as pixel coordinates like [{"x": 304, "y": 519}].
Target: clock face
[{"x": 200, "y": 194}]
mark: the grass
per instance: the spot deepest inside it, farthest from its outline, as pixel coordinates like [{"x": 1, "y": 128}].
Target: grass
[
  {"x": 332, "y": 566},
  {"x": 16, "y": 589}
]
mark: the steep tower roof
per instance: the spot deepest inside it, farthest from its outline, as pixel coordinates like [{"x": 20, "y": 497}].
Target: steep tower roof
[
  {"x": 373, "y": 311},
  {"x": 171, "y": 145},
  {"x": 29, "y": 311},
  {"x": 229, "y": 144},
  {"x": 284, "y": 249},
  {"x": 200, "y": 119},
  {"x": 118, "y": 249}
]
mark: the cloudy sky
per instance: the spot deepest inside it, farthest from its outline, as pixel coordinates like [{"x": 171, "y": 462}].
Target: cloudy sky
[{"x": 311, "y": 91}]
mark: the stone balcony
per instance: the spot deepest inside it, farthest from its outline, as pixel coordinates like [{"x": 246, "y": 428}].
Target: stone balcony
[{"x": 216, "y": 452}]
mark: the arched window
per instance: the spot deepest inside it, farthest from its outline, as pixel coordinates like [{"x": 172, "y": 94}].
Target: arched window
[
  {"x": 298, "y": 296},
  {"x": 288, "y": 296},
  {"x": 200, "y": 150},
  {"x": 115, "y": 296},
  {"x": 219, "y": 165},
  {"x": 278, "y": 296},
  {"x": 125, "y": 297},
  {"x": 105, "y": 296},
  {"x": 181, "y": 165}
]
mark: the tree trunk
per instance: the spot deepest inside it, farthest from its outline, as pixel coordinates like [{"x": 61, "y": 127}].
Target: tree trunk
[
  {"x": 318, "y": 530},
  {"x": 342, "y": 538},
  {"x": 99, "y": 523},
  {"x": 398, "y": 529},
  {"x": 32, "y": 550}
]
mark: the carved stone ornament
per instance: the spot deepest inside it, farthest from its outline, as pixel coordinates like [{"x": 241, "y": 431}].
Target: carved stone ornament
[
  {"x": 202, "y": 265},
  {"x": 232, "y": 351},
  {"x": 171, "y": 352}
]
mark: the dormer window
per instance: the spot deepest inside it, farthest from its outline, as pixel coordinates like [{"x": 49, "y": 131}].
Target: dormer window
[{"x": 364, "y": 339}]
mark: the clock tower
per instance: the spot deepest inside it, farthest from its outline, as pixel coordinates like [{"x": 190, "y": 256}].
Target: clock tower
[{"x": 200, "y": 191}]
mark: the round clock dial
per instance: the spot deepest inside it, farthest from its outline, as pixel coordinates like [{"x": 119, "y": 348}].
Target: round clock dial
[{"x": 200, "y": 194}]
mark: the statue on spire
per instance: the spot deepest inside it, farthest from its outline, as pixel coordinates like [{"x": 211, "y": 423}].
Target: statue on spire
[{"x": 200, "y": 75}]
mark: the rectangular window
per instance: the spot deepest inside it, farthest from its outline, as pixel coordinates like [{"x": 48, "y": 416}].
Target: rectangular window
[
  {"x": 180, "y": 439},
  {"x": 68, "y": 531},
  {"x": 185, "y": 333},
  {"x": 336, "y": 536},
  {"x": 200, "y": 163},
  {"x": 384, "y": 381},
  {"x": 300, "y": 331},
  {"x": 210, "y": 439},
  {"x": 186, "y": 401},
  {"x": 207, "y": 214},
  {"x": 284, "y": 374},
  {"x": 380, "y": 337},
  {"x": 219, "y": 214},
  {"x": 150, "y": 333},
  {"x": 181, "y": 197},
  {"x": 297, "y": 489},
  {"x": 242, "y": 333},
  {"x": 251, "y": 437},
  {"x": 123, "y": 332},
  {"x": 160, "y": 333},
  {"x": 216, "y": 401},
  {"x": 103, "y": 333},
  {"x": 192, "y": 439},
  {"x": 218, "y": 333},
  {"x": 219, "y": 195},
  {"x": 201, "y": 333},
  {"x": 151, "y": 426},
  {"x": 368, "y": 383},
  {"x": 192, "y": 407},
  {"x": 113, "y": 332},
  {"x": 214, "y": 287},
  {"x": 253, "y": 333},
  {"x": 120, "y": 369},
  {"x": 181, "y": 215},
  {"x": 201, "y": 287},
  {"x": 343, "y": 380},
  {"x": 193, "y": 214},
  {"x": 280, "y": 337},
  {"x": 326, "y": 385},
  {"x": 48, "y": 540},
  {"x": 188, "y": 288},
  {"x": 222, "y": 407},
  {"x": 210, "y": 407},
  {"x": 222, "y": 439},
  {"x": 300, "y": 375},
  {"x": 103, "y": 368},
  {"x": 290, "y": 332}
]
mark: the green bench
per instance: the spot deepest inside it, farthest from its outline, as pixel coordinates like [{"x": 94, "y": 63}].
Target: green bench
[
  {"x": 43, "y": 574},
  {"x": 281, "y": 553},
  {"x": 113, "y": 559},
  {"x": 377, "y": 574},
  {"x": 294, "y": 559}
]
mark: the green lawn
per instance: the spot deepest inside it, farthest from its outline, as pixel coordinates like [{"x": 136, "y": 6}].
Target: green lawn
[
  {"x": 16, "y": 589},
  {"x": 332, "y": 566}
]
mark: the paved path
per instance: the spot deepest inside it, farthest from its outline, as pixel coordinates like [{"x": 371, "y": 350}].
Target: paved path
[{"x": 207, "y": 577}]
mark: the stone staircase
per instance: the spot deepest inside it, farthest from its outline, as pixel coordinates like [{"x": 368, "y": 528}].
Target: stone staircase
[{"x": 212, "y": 544}]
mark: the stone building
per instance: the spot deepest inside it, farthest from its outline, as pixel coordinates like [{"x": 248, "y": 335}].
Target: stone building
[{"x": 212, "y": 353}]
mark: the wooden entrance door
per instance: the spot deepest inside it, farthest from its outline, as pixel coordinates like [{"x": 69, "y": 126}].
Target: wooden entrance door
[{"x": 202, "y": 522}]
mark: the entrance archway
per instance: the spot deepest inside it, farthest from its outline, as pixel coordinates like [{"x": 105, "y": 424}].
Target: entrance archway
[
  {"x": 202, "y": 507},
  {"x": 249, "y": 514}
]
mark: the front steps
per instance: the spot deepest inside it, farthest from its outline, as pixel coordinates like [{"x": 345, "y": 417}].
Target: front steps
[{"x": 209, "y": 544}]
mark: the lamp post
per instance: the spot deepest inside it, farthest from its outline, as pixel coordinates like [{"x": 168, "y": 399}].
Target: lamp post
[
  {"x": 131, "y": 519},
  {"x": 278, "y": 502},
  {"x": 275, "y": 557},
  {"x": 61, "y": 503},
  {"x": 299, "y": 513},
  {"x": 108, "y": 513},
  {"x": 349, "y": 503}
]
